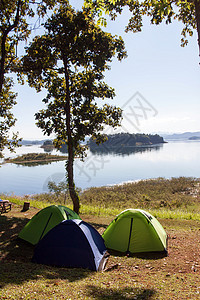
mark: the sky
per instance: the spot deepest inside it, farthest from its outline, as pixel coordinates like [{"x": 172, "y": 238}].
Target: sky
[{"x": 157, "y": 86}]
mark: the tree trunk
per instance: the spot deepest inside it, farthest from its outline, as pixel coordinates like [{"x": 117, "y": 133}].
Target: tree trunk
[
  {"x": 70, "y": 162},
  {"x": 2, "y": 61},
  {"x": 26, "y": 206},
  {"x": 197, "y": 13},
  {"x": 3, "y": 44},
  {"x": 72, "y": 191}
]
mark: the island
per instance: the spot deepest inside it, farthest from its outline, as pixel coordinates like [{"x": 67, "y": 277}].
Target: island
[
  {"x": 48, "y": 146},
  {"x": 194, "y": 138},
  {"x": 31, "y": 159},
  {"x": 128, "y": 140}
]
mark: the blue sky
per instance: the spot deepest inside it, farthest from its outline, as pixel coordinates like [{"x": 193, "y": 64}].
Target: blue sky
[{"x": 157, "y": 85}]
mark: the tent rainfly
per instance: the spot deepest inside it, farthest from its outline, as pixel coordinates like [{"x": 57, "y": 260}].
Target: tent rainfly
[
  {"x": 135, "y": 231},
  {"x": 72, "y": 244},
  {"x": 45, "y": 220}
]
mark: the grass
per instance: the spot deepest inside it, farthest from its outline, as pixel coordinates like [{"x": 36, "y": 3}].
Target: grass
[
  {"x": 153, "y": 193},
  {"x": 176, "y": 198},
  {"x": 173, "y": 277}
]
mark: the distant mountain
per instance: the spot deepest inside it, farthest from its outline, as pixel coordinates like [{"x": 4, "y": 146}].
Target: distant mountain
[
  {"x": 28, "y": 142},
  {"x": 181, "y": 136},
  {"x": 43, "y": 142}
]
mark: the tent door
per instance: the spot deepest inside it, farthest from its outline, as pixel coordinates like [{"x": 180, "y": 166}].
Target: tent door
[
  {"x": 131, "y": 226},
  {"x": 45, "y": 226}
]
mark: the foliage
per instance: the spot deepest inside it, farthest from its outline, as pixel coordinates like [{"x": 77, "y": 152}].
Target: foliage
[
  {"x": 186, "y": 11},
  {"x": 60, "y": 189},
  {"x": 14, "y": 28},
  {"x": 7, "y": 120},
  {"x": 69, "y": 61}
]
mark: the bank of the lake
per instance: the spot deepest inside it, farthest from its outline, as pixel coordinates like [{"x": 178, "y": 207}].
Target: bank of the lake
[{"x": 176, "y": 198}]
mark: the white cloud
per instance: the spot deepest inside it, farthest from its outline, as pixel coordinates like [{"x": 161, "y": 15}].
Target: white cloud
[{"x": 165, "y": 124}]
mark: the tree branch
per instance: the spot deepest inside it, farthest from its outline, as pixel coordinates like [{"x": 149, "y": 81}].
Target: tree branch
[{"x": 3, "y": 44}]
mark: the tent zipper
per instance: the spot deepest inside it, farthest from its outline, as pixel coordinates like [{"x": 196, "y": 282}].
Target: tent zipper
[
  {"x": 128, "y": 252},
  {"x": 45, "y": 227}
]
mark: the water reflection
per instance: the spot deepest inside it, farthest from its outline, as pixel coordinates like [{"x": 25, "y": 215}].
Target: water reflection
[
  {"x": 124, "y": 150},
  {"x": 34, "y": 164},
  {"x": 113, "y": 166},
  {"x": 115, "y": 150}
]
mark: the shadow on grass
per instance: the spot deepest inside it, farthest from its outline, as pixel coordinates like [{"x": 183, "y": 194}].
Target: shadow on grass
[
  {"x": 15, "y": 258},
  {"x": 20, "y": 272},
  {"x": 10, "y": 248},
  {"x": 98, "y": 225},
  {"x": 122, "y": 294},
  {"x": 142, "y": 255},
  {"x": 150, "y": 255}
]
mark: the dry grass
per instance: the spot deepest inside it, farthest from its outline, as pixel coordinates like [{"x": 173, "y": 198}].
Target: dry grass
[
  {"x": 148, "y": 194},
  {"x": 166, "y": 198}
]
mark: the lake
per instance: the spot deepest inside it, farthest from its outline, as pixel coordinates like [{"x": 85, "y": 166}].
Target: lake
[{"x": 173, "y": 159}]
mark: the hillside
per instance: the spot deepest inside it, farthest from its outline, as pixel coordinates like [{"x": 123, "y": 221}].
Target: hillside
[{"x": 128, "y": 140}]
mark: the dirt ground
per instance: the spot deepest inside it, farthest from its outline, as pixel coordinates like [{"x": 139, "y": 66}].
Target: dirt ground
[{"x": 178, "y": 271}]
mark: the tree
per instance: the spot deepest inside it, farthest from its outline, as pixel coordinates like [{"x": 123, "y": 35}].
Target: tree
[
  {"x": 186, "y": 11},
  {"x": 60, "y": 189},
  {"x": 14, "y": 28},
  {"x": 10, "y": 14},
  {"x": 69, "y": 61}
]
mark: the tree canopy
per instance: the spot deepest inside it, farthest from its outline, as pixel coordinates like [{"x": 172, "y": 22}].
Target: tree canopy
[
  {"x": 15, "y": 26},
  {"x": 185, "y": 11},
  {"x": 15, "y": 16},
  {"x": 69, "y": 61}
]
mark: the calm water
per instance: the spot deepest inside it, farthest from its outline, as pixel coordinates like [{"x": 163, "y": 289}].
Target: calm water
[{"x": 173, "y": 159}]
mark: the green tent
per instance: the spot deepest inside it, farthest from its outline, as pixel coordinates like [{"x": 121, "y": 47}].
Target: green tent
[
  {"x": 45, "y": 220},
  {"x": 135, "y": 231}
]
